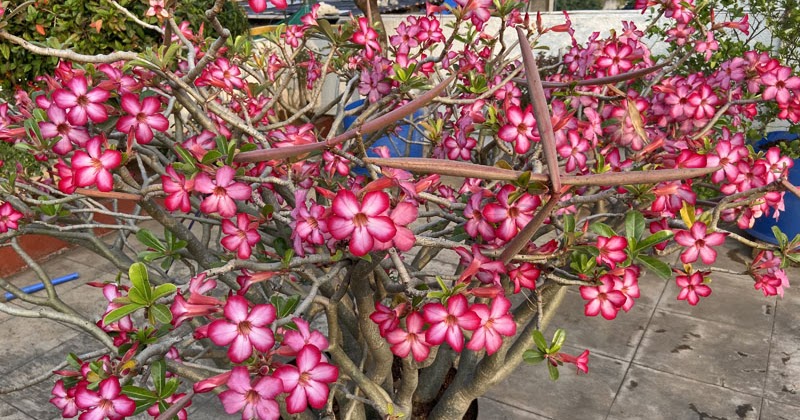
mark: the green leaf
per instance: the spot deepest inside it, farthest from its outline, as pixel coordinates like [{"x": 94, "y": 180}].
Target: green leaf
[
  {"x": 149, "y": 240},
  {"x": 653, "y": 240},
  {"x": 553, "y": 371},
  {"x": 569, "y": 223},
  {"x": 211, "y": 157},
  {"x": 634, "y": 225},
  {"x": 161, "y": 313},
  {"x": 185, "y": 156},
  {"x": 783, "y": 240},
  {"x": 532, "y": 356},
  {"x": 655, "y": 265},
  {"x": 541, "y": 342},
  {"x": 121, "y": 312},
  {"x": 558, "y": 340},
  {"x": 142, "y": 405},
  {"x": 139, "y": 393},
  {"x": 163, "y": 290},
  {"x": 170, "y": 388},
  {"x": 158, "y": 370},
  {"x": 137, "y": 296},
  {"x": 149, "y": 256},
  {"x": 138, "y": 275},
  {"x": 602, "y": 229}
]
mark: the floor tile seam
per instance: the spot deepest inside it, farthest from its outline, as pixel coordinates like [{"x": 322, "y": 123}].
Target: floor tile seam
[
  {"x": 15, "y": 408},
  {"x": 695, "y": 380},
  {"x": 636, "y": 349},
  {"x": 769, "y": 355},
  {"x": 730, "y": 324},
  {"x": 516, "y": 407},
  {"x": 10, "y": 371}
]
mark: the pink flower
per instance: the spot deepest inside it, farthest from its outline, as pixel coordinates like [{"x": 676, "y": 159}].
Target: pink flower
[
  {"x": 615, "y": 58},
  {"x": 410, "y": 341},
  {"x": 603, "y": 299},
  {"x": 242, "y": 236},
  {"x": 143, "y": 117},
  {"x": 511, "y": 216},
  {"x": 303, "y": 336},
  {"x": 307, "y": 383},
  {"x": 691, "y": 287},
  {"x": 82, "y": 104},
  {"x": 387, "y": 318},
  {"x": 223, "y": 192},
  {"x": 612, "y": 250},
  {"x": 367, "y": 37},
  {"x": 699, "y": 243},
  {"x": 581, "y": 362},
  {"x": 629, "y": 286},
  {"x": 402, "y": 215},
  {"x": 524, "y": 276},
  {"x": 57, "y": 125},
  {"x": 157, "y": 9},
  {"x": 518, "y": 129},
  {"x": 94, "y": 167},
  {"x": 222, "y": 75},
  {"x": 8, "y": 217},
  {"x": 495, "y": 323},
  {"x": 178, "y": 190},
  {"x": 245, "y": 330},
  {"x": 254, "y": 400},
  {"x": 779, "y": 84},
  {"x": 64, "y": 399},
  {"x": 155, "y": 409},
  {"x": 363, "y": 223},
  {"x": 446, "y": 323},
  {"x": 476, "y": 223},
  {"x": 484, "y": 268},
  {"x": 259, "y": 6},
  {"x": 105, "y": 402},
  {"x": 309, "y": 226}
]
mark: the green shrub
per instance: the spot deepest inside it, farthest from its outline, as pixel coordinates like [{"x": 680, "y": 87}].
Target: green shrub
[{"x": 74, "y": 24}]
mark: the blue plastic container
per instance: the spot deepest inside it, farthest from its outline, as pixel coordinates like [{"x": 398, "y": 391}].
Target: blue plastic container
[
  {"x": 789, "y": 222},
  {"x": 399, "y": 145}
]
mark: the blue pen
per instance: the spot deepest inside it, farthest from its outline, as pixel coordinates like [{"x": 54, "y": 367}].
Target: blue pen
[{"x": 40, "y": 286}]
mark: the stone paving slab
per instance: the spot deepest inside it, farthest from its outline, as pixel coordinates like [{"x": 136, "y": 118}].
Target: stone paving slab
[
  {"x": 573, "y": 396},
  {"x": 489, "y": 409},
  {"x": 771, "y": 410},
  {"x": 594, "y": 332},
  {"x": 39, "y": 407},
  {"x": 652, "y": 394},
  {"x": 7, "y": 412},
  {"x": 706, "y": 351}
]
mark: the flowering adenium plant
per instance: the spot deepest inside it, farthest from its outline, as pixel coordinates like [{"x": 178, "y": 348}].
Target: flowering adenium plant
[{"x": 310, "y": 281}]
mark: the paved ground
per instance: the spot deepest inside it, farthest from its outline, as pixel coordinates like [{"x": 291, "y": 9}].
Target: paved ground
[{"x": 734, "y": 356}]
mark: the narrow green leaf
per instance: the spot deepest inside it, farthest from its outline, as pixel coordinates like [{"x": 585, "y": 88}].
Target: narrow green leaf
[
  {"x": 120, "y": 313},
  {"x": 150, "y": 240},
  {"x": 634, "y": 225},
  {"x": 655, "y": 265},
  {"x": 138, "y": 275},
  {"x": 559, "y": 338},
  {"x": 170, "y": 387},
  {"x": 602, "y": 229},
  {"x": 541, "y": 342},
  {"x": 532, "y": 356},
  {"x": 149, "y": 256},
  {"x": 553, "y": 371},
  {"x": 161, "y": 313},
  {"x": 143, "y": 405},
  {"x": 158, "y": 372},
  {"x": 138, "y": 393},
  {"x": 162, "y": 290},
  {"x": 783, "y": 240},
  {"x": 569, "y": 223},
  {"x": 653, "y": 240}
]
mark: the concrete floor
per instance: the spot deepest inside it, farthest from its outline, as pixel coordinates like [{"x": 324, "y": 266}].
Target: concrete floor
[{"x": 734, "y": 356}]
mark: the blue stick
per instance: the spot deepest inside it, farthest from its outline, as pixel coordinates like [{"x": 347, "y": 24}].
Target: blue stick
[{"x": 40, "y": 286}]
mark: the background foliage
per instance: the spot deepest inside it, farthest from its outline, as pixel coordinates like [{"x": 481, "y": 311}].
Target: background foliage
[{"x": 90, "y": 27}]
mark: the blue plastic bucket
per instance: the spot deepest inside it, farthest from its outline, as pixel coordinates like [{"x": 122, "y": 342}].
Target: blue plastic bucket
[
  {"x": 400, "y": 144},
  {"x": 789, "y": 222}
]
